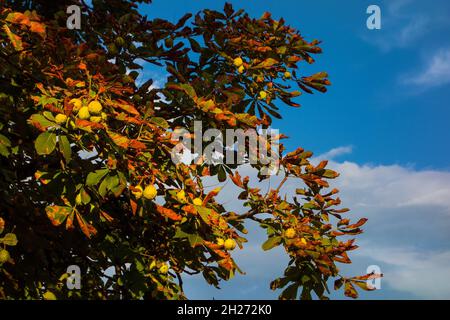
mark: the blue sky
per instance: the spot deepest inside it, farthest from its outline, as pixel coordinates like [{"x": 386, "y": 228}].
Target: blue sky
[{"x": 386, "y": 131}]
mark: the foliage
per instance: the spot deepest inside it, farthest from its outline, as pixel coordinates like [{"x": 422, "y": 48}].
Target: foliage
[{"x": 72, "y": 173}]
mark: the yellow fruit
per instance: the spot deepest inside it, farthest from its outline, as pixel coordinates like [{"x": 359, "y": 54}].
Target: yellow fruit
[
  {"x": 290, "y": 233},
  {"x": 229, "y": 244},
  {"x": 164, "y": 269},
  {"x": 220, "y": 242},
  {"x": 104, "y": 116},
  {"x": 150, "y": 192},
  {"x": 95, "y": 119},
  {"x": 181, "y": 196},
  {"x": 84, "y": 113},
  {"x": 241, "y": 69},
  {"x": 95, "y": 107},
  {"x": 262, "y": 94},
  {"x": 303, "y": 240},
  {"x": 287, "y": 74},
  {"x": 60, "y": 118},
  {"x": 197, "y": 202},
  {"x": 76, "y": 104},
  {"x": 49, "y": 296},
  {"x": 138, "y": 192},
  {"x": 4, "y": 256},
  {"x": 238, "y": 62},
  {"x": 78, "y": 199}
]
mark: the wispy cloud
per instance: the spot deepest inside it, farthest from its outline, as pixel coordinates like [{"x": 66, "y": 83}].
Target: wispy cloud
[
  {"x": 401, "y": 26},
  {"x": 435, "y": 73},
  {"x": 336, "y": 152}
]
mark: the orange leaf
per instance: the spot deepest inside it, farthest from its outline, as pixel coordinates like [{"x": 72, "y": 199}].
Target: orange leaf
[
  {"x": 135, "y": 144},
  {"x": 106, "y": 216},
  {"x": 87, "y": 229},
  {"x": 57, "y": 214},
  {"x": 82, "y": 66},
  {"x": 168, "y": 213},
  {"x": 133, "y": 206},
  {"x": 37, "y": 27},
  {"x": 118, "y": 139},
  {"x": 122, "y": 104},
  {"x": 69, "y": 221}
]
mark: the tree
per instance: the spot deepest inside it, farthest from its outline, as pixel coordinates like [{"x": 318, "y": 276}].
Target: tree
[{"x": 86, "y": 172}]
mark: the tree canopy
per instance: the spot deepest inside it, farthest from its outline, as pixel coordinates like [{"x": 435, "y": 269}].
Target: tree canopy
[{"x": 86, "y": 175}]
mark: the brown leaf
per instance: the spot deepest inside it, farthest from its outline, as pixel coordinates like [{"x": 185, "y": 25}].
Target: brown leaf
[{"x": 166, "y": 212}]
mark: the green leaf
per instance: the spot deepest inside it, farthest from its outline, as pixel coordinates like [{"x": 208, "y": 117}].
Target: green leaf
[
  {"x": 9, "y": 239},
  {"x": 271, "y": 243},
  {"x": 181, "y": 234},
  {"x": 45, "y": 143},
  {"x": 4, "y": 145},
  {"x": 85, "y": 197},
  {"x": 64, "y": 146},
  {"x": 94, "y": 178},
  {"x": 195, "y": 239},
  {"x": 330, "y": 174},
  {"x": 269, "y": 62},
  {"x": 160, "y": 122},
  {"x": 40, "y": 122},
  {"x": 204, "y": 213},
  {"x": 221, "y": 174},
  {"x": 290, "y": 293}
]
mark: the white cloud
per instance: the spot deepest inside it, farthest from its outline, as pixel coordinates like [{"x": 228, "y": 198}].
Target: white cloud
[
  {"x": 436, "y": 73},
  {"x": 407, "y": 232},
  {"x": 422, "y": 273},
  {"x": 392, "y": 186},
  {"x": 336, "y": 152}
]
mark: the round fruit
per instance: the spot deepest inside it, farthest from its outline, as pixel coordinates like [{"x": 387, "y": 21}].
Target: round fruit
[
  {"x": 290, "y": 233},
  {"x": 84, "y": 113},
  {"x": 138, "y": 192},
  {"x": 49, "y": 296},
  {"x": 287, "y": 74},
  {"x": 197, "y": 202},
  {"x": 112, "y": 48},
  {"x": 95, "y": 107},
  {"x": 164, "y": 269},
  {"x": 241, "y": 69},
  {"x": 120, "y": 41},
  {"x": 78, "y": 199},
  {"x": 238, "y": 61},
  {"x": 229, "y": 244},
  {"x": 4, "y": 256},
  {"x": 95, "y": 119},
  {"x": 76, "y": 104},
  {"x": 181, "y": 196},
  {"x": 220, "y": 242},
  {"x": 303, "y": 240},
  {"x": 262, "y": 94},
  {"x": 104, "y": 116},
  {"x": 150, "y": 192},
  {"x": 60, "y": 118}
]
